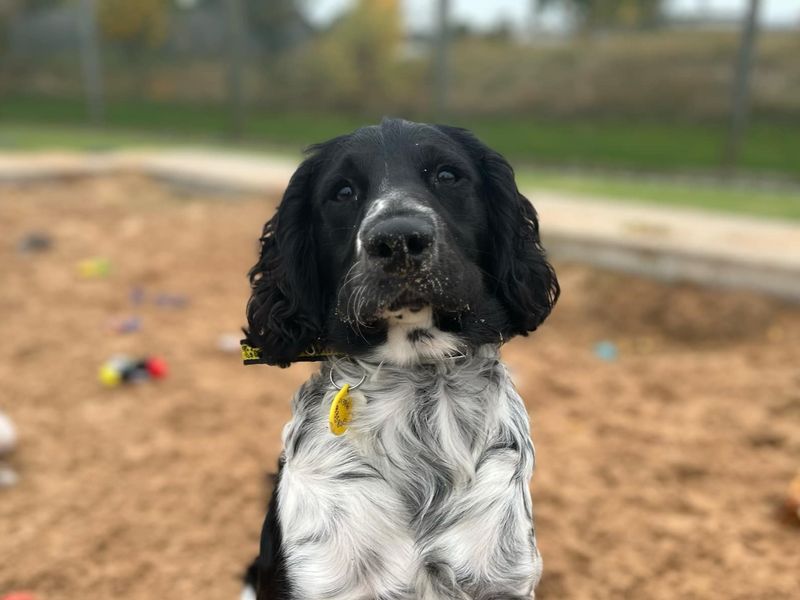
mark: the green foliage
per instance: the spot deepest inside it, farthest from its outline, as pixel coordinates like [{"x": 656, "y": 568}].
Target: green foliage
[
  {"x": 645, "y": 75},
  {"x": 140, "y": 23},
  {"x": 354, "y": 66},
  {"x": 613, "y": 13}
]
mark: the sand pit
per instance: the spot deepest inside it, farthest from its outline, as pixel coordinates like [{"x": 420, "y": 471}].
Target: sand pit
[{"x": 659, "y": 473}]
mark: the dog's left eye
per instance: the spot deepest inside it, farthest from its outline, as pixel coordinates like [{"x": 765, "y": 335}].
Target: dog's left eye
[
  {"x": 345, "y": 193},
  {"x": 446, "y": 175}
]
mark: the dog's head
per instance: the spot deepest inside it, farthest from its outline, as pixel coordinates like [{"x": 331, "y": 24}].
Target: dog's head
[{"x": 403, "y": 242}]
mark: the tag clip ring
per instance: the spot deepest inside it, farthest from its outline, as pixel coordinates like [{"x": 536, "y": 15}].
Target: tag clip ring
[{"x": 352, "y": 387}]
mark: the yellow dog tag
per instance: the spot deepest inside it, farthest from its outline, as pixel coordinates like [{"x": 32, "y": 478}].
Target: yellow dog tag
[{"x": 341, "y": 411}]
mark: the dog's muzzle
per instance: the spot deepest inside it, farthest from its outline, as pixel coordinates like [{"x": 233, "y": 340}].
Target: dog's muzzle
[{"x": 400, "y": 244}]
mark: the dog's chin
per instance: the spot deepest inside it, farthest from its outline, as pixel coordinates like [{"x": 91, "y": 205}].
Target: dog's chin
[
  {"x": 417, "y": 315},
  {"x": 375, "y": 305},
  {"x": 408, "y": 325},
  {"x": 408, "y": 300}
]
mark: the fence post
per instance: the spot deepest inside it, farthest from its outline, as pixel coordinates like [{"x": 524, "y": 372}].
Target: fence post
[
  {"x": 534, "y": 15},
  {"x": 740, "y": 97},
  {"x": 90, "y": 62},
  {"x": 235, "y": 68},
  {"x": 441, "y": 75}
]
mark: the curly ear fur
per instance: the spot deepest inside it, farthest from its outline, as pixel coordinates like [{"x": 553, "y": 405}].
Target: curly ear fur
[
  {"x": 285, "y": 312},
  {"x": 520, "y": 276},
  {"x": 526, "y": 282}
]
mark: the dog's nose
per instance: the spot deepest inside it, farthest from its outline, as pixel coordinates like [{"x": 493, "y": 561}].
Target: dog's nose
[{"x": 400, "y": 240}]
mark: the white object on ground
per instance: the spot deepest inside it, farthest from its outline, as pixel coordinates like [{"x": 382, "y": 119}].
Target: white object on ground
[
  {"x": 8, "y": 435},
  {"x": 229, "y": 342},
  {"x": 8, "y": 477}
]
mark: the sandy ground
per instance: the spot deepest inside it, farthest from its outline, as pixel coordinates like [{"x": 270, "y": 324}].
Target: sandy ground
[{"x": 658, "y": 473}]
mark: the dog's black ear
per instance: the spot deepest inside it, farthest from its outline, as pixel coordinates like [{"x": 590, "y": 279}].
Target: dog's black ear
[
  {"x": 285, "y": 312},
  {"x": 525, "y": 281},
  {"x": 519, "y": 274}
]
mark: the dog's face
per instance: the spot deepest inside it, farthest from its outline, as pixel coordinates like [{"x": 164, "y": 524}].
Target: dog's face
[{"x": 402, "y": 242}]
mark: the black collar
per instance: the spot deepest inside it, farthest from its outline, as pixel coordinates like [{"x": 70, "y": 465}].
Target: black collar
[{"x": 314, "y": 353}]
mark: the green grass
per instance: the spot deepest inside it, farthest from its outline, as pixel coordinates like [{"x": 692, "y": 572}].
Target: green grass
[
  {"x": 23, "y": 137},
  {"x": 651, "y": 147},
  {"x": 642, "y": 145},
  {"x": 775, "y": 203},
  {"x": 149, "y": 122},
  {"x": 630, "y": 144}
]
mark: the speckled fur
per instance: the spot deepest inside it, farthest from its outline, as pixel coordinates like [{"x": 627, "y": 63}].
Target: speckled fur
[{"x": 425, "y": 496}]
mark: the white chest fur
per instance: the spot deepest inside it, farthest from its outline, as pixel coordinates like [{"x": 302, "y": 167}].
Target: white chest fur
[{"x": 424, "y": 497}]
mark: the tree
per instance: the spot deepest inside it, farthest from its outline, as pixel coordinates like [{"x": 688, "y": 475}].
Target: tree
[
  {"x": 139, "y": 23},
  {"x": 359, "y": 54}
]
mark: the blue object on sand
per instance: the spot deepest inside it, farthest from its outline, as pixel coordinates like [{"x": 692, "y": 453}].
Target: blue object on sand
[{"x": 606, "y": 350}]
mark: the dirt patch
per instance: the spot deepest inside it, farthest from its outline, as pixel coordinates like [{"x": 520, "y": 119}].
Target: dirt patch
[
  {"x": 682, "y": 313},
  {"x": 659, "y": 472}
]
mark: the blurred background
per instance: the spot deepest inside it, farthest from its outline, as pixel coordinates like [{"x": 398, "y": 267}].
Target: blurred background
[
  {"x": 667, "y": 86},
  {"x": 143, "y": 143}
]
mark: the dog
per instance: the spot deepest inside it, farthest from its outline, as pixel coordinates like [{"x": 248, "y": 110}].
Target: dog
[{"x": 403, "y": 256}]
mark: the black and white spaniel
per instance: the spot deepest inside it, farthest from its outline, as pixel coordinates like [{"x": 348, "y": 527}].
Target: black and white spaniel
[{"x": 405, "y": 254}]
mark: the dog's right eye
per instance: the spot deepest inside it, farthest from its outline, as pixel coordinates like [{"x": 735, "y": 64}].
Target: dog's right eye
[{"x": 345, "y": 193}]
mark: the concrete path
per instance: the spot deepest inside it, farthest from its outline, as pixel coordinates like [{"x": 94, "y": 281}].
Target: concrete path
[
  {"x": 667, "y": 243},
  {"x": 673, "y": 244}
]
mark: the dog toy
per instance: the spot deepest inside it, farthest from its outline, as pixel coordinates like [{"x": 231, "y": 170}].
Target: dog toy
[
  {"x": 8, "y": 435},
  {"x": 138, "y": 296},
  {"x": 126, "y": 324},
  {"x": 606, "y": 350},
  {"x": 172, "y": 300},
  {"x": 34, "y": 242},
  {"x": 123, "y": 369},
  {"x": 156, "y": 367},
  {"x": 110, "y": 373},
  {"x": 94, "y": 268}
]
